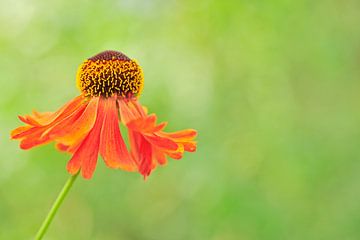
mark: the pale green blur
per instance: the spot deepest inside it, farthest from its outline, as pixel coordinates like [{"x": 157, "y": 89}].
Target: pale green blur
[{"x": 271, "y": 86}]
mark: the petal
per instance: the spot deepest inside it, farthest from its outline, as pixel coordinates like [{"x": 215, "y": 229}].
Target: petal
[
  {"x": 143, "y": 124},
  {"x": 68, "y": 148},
  {"x": 35, "y": 134},
  {"x": 183, "y": 135},
  {"x": 34, "y": 139},
  {"x": 38, "y": 115},
  {"x": 135, "y": 140},
  {"x": 74, "y": 128},
  {"x": 161, "y": 142},
  {"x": 190, "y": 146},
  {"x": 25, "y": 131},
  {"x": 112, "y": 146},
  {"x": 146, "y": 161},
  {"x": 159, "y": 156},
  {"x": 126, "y": 113},
  {"x": 19, "y": 132},
  {"x": 42, "y": 119},
  {"x": 28, "y": 120},
  {"x": 175, "y": 155},
  {"x": 62, "y": 147},
  {"x": 85, "y": 157},
  {"x": 130, "y": 110},
  {"x": 140, "y": 109},
  {"x": 160, "y": 127},
  {"x": 59, "y": 128},
  {"x": 142, "y": 152}
]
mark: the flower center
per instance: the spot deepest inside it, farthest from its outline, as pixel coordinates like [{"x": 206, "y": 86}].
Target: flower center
[{"x": 109, "y": 73}]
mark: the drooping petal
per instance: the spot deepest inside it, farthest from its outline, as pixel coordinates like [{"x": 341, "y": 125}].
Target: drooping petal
[
  {"x": 146, "y": 124},
  {"x": 112, "y": 146},
  {"x": 143, "y": 111},
  {"x": 150, "y": 145},
  {"x": 135, "y": 140},
  {"x": 145, "y": 157},
  {"x": 175, "y": 155},
  {"x": 161, "y": 142},
  {"x": 127, "y": 113},
  {"x": 19, "y": 132},
  {"x": 141, "y": 151},
  {"x": 42, "y": 119},
  {"x": 68, "y": 148},
  {"x": 183, "y": 135},
  {"x": 184, "y": 138},
  {"x": 159, "y": 156},
  {"x": 28, "y": 120},
  {"x": 85, "y": 157},
  {"x": 34, "y": 139},
  {"x": 130, "y": 110},
  {"x": 73, "y": 129},
  {"x": 141, "y": 124},
  {"x": 34, "y": 134},
  {"x": 160, "y": 127}
]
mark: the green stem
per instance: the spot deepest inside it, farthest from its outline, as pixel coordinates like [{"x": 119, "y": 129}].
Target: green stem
[{"x": 55, "y": 207}]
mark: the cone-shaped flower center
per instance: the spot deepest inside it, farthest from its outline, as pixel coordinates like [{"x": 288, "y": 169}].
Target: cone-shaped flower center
[{"x": 109, "y": 73}]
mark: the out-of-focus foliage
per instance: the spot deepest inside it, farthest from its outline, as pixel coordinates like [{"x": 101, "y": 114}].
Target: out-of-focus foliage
[{"x": 271, "y": 86}]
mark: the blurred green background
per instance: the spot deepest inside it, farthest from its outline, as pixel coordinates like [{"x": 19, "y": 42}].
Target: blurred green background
[{"x": 271, "y": 86}]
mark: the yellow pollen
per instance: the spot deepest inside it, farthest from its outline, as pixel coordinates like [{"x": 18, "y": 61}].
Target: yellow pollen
[{"x": 109, "y": 73}]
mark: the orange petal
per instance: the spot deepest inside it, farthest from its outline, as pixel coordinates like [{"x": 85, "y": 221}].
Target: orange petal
[
  {"x": 159, "y": 156},
  {"x": 22, "y": 132},
  {"x": 28, "y": 120},
  {"x": 146, "y": 161},
  {"x": 189, "y": 146},
  {"x": 62, "y": 147},
  {"x": 126, "y": 113},
  {"x": 160, "y": 127},
  {"x": 183, "y": 135},
  {"x": 42, "y": 119},
  {"x": 34, "y": 139},
  {"x": 74, "y": 128},
  {"x": 112, "y": 146},
  {"x": 143, "y": 124},
  {"x": 85, "y": 157},
  {"x": 161, "y": 142},
  {"x": 38, "y": 115},
  {"x": 35, "y": 134},
  {"x": 140, "y": 109},
  {"x": 68, "y": 148},
  {"x": 142, "y": 152},
  {"x": 59, "y": 128},
  {"x": 130, "y": 110},
  {"x": 19, "y": 132},
  {"x": 175, "y": 155}
]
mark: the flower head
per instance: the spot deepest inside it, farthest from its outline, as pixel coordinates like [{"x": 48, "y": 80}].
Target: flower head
[
  {"x": 88, "y": 125},
  {"x": 109, "y": 73}
]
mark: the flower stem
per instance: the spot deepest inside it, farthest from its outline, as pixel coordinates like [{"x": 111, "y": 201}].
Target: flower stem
[{"x": 55, "y": 206}]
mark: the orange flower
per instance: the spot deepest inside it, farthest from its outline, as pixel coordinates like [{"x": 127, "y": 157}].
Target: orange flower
[{"x": 110, "y": 83}]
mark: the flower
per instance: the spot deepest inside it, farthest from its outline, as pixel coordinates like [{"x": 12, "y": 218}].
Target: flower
[{"x": 88, "y": 125}]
